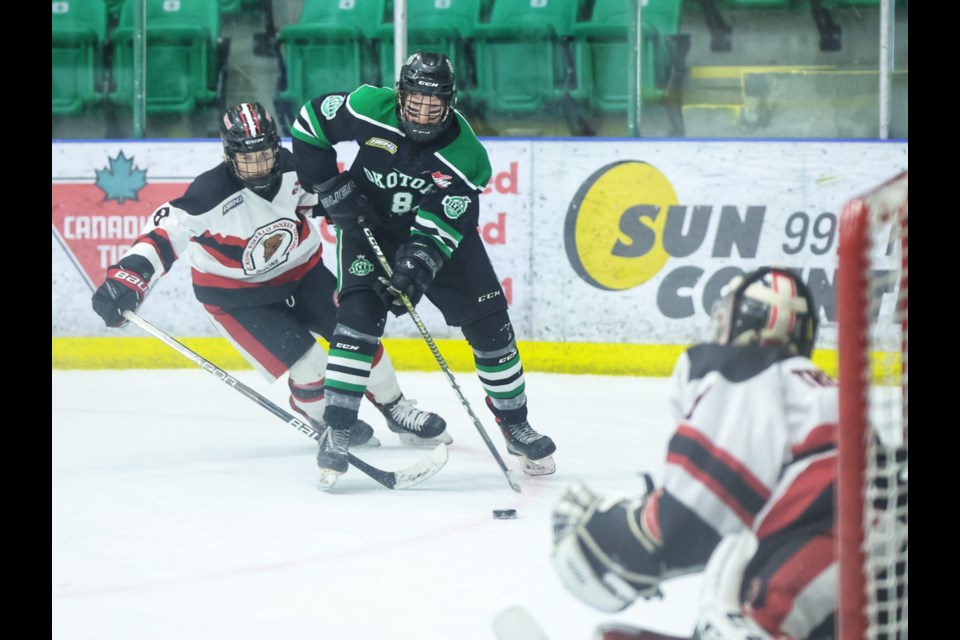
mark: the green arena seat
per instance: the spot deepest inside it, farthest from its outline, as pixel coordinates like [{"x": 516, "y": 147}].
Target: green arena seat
[
  {"x": 332, "y": 48},
  {"x": 230, "y": 7},
  {"x": 772, "y": 4},
  {"x": 605, "y": 50},
  {"x": 524, "y": 56},
  {"x": 79, "y": 34},
  {"x": 185, "y": 56}
]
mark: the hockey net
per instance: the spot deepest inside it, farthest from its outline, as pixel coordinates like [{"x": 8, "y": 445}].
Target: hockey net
[{"x": 872, "y": 482}]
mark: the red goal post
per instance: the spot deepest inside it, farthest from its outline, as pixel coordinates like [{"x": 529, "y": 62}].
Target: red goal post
[{"x": 872, "y": 345}]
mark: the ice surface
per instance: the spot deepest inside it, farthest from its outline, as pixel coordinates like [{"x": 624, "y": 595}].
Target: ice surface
[{"x": 183, "y": 510}]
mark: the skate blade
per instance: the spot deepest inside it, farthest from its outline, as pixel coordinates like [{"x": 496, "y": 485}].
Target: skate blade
[
  {"x": 328, "y": 478},
  {"x": 542, "y": 467},
  {"x": 415, "y": 441}
]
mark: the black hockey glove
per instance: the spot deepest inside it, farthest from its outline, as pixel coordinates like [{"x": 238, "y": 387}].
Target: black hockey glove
[
  {"x": 123, "y": 289},
  {"x": 342, "y": 201},
  {"x": 416, "y": 265}
]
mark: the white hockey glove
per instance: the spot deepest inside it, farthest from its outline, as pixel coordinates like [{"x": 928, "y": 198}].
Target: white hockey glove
[
  {"x": 721, "y": 616},
  {"x": 606, "y": 549}
]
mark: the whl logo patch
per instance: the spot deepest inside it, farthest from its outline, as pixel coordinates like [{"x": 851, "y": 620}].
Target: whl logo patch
[{"x": 98, "y": 216}]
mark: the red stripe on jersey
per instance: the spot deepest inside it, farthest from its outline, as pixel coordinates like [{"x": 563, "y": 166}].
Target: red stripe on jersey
[
  {"x": 229, "y": 241},
  {"x": 149, "y": 239},
  {"x": 249, "y": 343},
  {"x": 823, "y": 436},
  {"x": 812, "y": 482},
  {"x": 791, "y": 579},
  {"x": 225, "y": 282},
  {"x": 222, "y": 259},
  {"x": 715, "y": 487},
  {"x": 377, "y": 355},
  {"x": 726, "y": 459}
]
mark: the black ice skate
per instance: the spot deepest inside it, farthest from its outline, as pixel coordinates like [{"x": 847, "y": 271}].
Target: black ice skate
[
  {"x": 361, "y": 433},
  {"x": 415, "y": 427},
  {"x": 332, "y": 457},
  {"x": 534, "y": 450}
]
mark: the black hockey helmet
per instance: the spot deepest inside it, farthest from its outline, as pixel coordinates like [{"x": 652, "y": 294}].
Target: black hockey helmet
[
  {"x": 248, "y": 129},
  {"x": 426, "y": 74},
  {"x": 768, "y": 306}
]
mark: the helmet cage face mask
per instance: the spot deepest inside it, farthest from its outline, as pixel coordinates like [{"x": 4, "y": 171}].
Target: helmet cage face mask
[
  {"x": 251, "y": 145},
  {"x": 767, "y": 306},
  {"x": 426, "y": 95}
]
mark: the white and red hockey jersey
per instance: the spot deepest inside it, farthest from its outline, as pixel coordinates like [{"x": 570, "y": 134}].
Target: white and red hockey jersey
[
  {"x": 755, "y": 443},
  {"x": 236, "y": 241},
  {"x": 755, "y": 450}
]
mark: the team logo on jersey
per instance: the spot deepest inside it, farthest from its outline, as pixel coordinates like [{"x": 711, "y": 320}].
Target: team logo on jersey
[
  {"x": 236, "y": 202},
  {"x": 455, "y": 206},
  {"x": 270, "y": 246},
  {"x": 330, "y": 105},
  {"x": 361, "y": 266},
  {"x": 442, "y": 180},
  {"x": 380, "y": 143}
]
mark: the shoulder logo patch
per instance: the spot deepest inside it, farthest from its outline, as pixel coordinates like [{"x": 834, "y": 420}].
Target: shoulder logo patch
[
  {"x": 442, "y": 180},
  {"x": 455, "y": 206},
  {"x": 380, "y": 143},
  {"x": 236, "y": 202},
  {"x": 330, "y": 105}
]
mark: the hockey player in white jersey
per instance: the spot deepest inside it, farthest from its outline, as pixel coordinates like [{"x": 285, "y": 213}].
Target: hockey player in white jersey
[
  {"x": 256, "y": 267},
  {"x": 748, "y": 483}
]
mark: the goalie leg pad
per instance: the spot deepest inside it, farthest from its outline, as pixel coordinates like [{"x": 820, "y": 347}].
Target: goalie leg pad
[{"x": 721, "y": 616}]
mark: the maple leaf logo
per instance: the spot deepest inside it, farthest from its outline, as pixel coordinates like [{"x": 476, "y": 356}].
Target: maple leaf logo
[{"x": 122, "y": 180}]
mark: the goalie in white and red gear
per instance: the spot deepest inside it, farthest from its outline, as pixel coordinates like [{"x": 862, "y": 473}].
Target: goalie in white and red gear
[{"x": 754, "y": 452}]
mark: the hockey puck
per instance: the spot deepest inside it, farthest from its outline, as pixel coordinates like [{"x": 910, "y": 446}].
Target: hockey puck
[{"x": 504, "y": 514}]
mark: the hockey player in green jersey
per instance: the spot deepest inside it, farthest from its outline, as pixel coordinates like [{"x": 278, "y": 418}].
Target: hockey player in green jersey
[{"x": 416, "y": 183}]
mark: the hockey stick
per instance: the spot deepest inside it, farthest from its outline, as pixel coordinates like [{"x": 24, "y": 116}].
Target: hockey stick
[
  {"x": 511, "y": 478},
  {"x": 402, "y": 479}
]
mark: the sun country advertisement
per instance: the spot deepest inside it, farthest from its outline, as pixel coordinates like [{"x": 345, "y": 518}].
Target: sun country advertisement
[{"x": 606, "y": 241}]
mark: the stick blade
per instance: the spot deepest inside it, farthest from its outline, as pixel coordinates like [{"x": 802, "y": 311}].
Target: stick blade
[
  {"x": 413, "y": 475},
  {"x": 516, "y": 623},
  {"x": 423, "y": 470}
]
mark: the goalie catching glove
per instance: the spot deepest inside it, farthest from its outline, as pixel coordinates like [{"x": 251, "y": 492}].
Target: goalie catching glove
[
  {"x": 342, "y": 201},
  {"x": 417, "y": 264},
  {"x": 606, "y": 550},
  {"x": 123, "y": 290}
]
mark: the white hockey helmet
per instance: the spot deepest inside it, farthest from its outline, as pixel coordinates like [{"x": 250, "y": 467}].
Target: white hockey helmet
[{"x": 768, "y": 306}]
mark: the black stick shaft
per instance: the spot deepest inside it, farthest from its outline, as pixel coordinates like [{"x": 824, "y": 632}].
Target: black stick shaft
[{"x": 514, "y": 483}]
